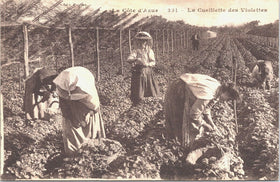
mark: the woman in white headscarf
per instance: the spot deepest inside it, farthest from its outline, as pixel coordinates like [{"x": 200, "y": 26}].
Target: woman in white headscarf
[
  {"x": 188, "y": 103},
  {"x": 80, "y": 106}
]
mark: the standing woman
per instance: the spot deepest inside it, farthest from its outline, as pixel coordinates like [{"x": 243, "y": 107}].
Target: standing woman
[
  {"x": 195, "y": 41},
  {"x": 80, "y": 107},
  {"x": 143, "y": 83}
]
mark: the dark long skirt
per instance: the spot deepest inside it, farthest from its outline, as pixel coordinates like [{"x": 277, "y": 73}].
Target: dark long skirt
[
  {"x": 178, "y": 101},
  {"x": 195, "y": 44},
  {"x": 143, "y": 84}
]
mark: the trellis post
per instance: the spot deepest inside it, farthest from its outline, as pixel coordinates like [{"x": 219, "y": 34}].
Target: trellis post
[
  {"x": 156, "y": 42},
  {"x": 234, "y": 64},
  {"x": 1, "y": 122},
  {"x": 25, "y": 54},
  {"x": 184, "y": 41},
  {"x": 167, "y": 40},
  {"x": 121, "y": 51},
  {"x": 1, "y": 135},
  {"x": 178, "y": 40},
  {"x": 172, "y": 41},
  {"x": 129, "y": 40},
  {"x": 163, "y": 47},
  {"x": 97, "y": 54},
  {"x": 182, "y": 36},
  {"x": 72, "y": 63},
  {"x": 56, "y": 65},
  {"x": 175, "y": 40},
  {"x": 19, "y": 77},
  {"x": 187, "y": 39}
]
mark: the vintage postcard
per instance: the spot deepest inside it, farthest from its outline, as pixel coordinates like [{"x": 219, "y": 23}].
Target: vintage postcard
[{"x": 139, "y": 90}]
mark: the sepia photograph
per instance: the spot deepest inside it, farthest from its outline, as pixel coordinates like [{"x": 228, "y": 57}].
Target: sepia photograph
[{"x": 178, "y": 90}]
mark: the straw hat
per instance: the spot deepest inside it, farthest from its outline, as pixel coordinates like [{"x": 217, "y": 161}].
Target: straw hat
[{"x": 143, "y": 35}]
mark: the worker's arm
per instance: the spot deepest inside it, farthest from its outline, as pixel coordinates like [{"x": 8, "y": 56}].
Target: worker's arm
[
  {"x": 152, "y": 59},
  {"x": 132, "y": 56},
  {"x": 196, "y": 113},
  {"x": 208, "y": 118}
]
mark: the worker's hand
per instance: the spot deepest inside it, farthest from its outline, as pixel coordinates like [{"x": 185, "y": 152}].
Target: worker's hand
[
  {"x": 217, "y": 131},
  {"x": 46, "y": 96},
  {"x": 213, "y": 126},
  {"x": 208, "y": 126},
  {"x": 138, "y": 61},
  {"x": 93, "y": 112},
  {"x": 209, "y": 119}
]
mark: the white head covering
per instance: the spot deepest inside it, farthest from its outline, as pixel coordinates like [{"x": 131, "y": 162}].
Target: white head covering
[
  {"x": 202, "y": 86},
  {"x": 77, "y": 83}
]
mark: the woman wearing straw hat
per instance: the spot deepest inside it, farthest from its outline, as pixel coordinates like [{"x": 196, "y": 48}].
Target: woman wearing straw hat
[
  {"x": 188, "y": 103},
  {"x": 80, "y": 107},
  {"x": 143, "y": 83}
]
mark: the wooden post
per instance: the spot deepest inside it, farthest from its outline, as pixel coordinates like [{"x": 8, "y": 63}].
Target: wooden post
[
  {"x": 187, "y": 39},
  {"x": 121, "y": 51},
  {"x": 175, "y": 40},
  {"x": 19, "y": 77},
  {"x": 235, "y": 116},
  {"x": 129, "y": 40},
  {"x": 167, "y": 40},
  {"x": 267, "y": 42},
  {"x": 235, "y": 70},
  {"x": 56, "y": 65},
  {"x": 97, "y": 54},
  {"x": 184, "y": 41},
  {"x": 72, "y": 63},
  {"x": 25, "y": 55},
  {"x": 172, "y": 41},
  {"x": 1, "y": 135},
  {"x": 234, "y": 61},
  {"x": 163, "y": 41},
  {"x": 178, "y": 40},
  {"x": 156, "y": 41},
  {"x": 2, "y": 119}
]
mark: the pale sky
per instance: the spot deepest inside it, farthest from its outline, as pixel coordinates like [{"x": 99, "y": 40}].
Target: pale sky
[{"x": 196, "y": 18}]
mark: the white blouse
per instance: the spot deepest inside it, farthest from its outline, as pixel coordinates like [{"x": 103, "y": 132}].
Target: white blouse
[{"x": 145, "y": 56}]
